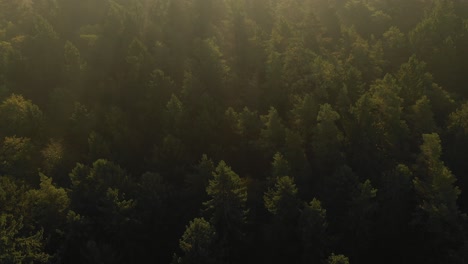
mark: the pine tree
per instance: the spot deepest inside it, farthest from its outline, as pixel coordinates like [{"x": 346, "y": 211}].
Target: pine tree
[
  {"x": 313, "y": 226},
  {"x": 198, "y": 243},
  {"x": 227, "y": 209},
  {"x": 437, "y": 213}
]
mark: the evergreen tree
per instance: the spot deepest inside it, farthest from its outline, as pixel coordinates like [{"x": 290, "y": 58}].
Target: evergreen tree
[
  {"x": 228, "y": 196},
  {"x": 362, "y": 213},
  {"x": 328, "y": 140},
  {"x": 19, "y": 241},
  {"x": 273, "y": 134},
  {"x": 20, "y": 117},
  {"x": 197, "y": 242},
  {"x": 380, "y": 134},
  {"x": 16, "y": 248},
  {"x": 313, "y": 226},
  {"x": 437, "y": 213},
  {"x": 337, "y": 259},
  {"x": 281, "y": 200}
]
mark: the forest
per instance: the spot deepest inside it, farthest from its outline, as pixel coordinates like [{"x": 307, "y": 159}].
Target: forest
[{"x": 234, "y": 131}]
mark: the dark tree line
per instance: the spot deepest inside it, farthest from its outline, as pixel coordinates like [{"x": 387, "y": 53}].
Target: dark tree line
[{"x": 233, "y": 131}]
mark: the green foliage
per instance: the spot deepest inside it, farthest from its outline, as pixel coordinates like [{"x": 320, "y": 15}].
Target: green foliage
[
  {"x": 227, "y": 207},
  {"x": 437, "y": 211},
  {"x": 43, "y": 29},
  {"x": 458, "y": 120},
  {"x": 273, "y": 134},
  {"x": 49, "y": 204},
  {"x": 74, "y": 65},
  {"x": 309, "y": 100},
  {"x": 296, "y": 74},
  {"x": 363, "y": 197},
  {"x": 305, "y": 110},
  {"x": 12, "y": 196},
  {"x": 174, "y": 110},
  {"x": 281, "y": 200},
  {"x": 18, "y": 243},
  {"x": 15, "y": 153},
  {"x": 394, "y": 43},
  {"x": 441, "y": 18},
  {"x": 15, "y": 248},
  {"x": 197, "y": 242},
  {"x": 20, "y": 117},
  {"x": 363, "y": 54},
  {"x": 280, "y": 166},
  {"x": 337, "y": 259},
  {"x": 6, "y": 59},
  {"x": 294, "y": 151},
  {"x": 381, "y": 134},
  {"x": 361, "y": 215},
  {"x": 414, "y": 80},
  {"x": 394, "y": 38},
  {"x": 204, "y": 170},
  {"x": 91, "y": 186},
  {"x": 436, "y": 183},
  {"x": 422, "y": 117},
  {"x": 52, "y": 155},
  {"x": 313, "y": 226},
  {"x": 209, "y": 72},
  {"x": 328, "y": 139},
  {"x": 248, "y": 124},
  {"x": 228, "y": 196},
  {"x": 138, "y": 58}
]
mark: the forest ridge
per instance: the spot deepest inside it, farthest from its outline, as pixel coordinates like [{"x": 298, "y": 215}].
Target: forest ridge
[{"x": 234, "y": 131}]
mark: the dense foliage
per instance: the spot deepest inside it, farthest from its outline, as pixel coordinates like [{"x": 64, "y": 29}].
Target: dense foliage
[{"x": 233, "y": 131}]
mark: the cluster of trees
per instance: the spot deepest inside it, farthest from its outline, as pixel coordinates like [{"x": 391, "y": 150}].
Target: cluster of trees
[{"x": 233, "y": 131}]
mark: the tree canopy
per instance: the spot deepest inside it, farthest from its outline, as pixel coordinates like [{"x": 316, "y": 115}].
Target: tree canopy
[{"x": 233, "y": 131}]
